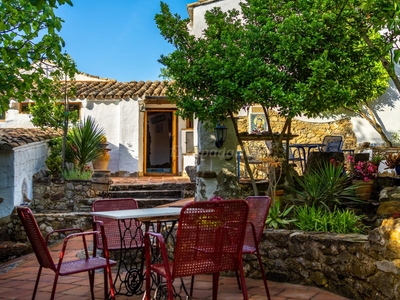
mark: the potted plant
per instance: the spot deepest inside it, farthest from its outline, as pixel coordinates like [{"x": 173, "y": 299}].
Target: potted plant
[
  {"x": 363, "y": 174},
  {"x": 101, "y": 162}
]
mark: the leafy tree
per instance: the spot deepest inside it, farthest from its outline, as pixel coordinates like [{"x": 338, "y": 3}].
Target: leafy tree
[
  {"x": 28, "y": 43},
  {"x": 52, "y": 3},
  {"x": 369, "y": 18},
  {"x": 52, "y": 114},
  {"x": 296, "y": 63}
]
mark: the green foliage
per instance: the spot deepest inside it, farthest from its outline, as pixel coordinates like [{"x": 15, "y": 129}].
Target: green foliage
[
  {"x": 310, "y": 218},
  {"x": 376, "y": 159},
  {"x": 51, "y": 114},
  {"x": 77, "y": 174},
  {"x": 325, "y": 185},
  {"x": 84, "y": 139},
  {"x": 53, "y": 3},
  {"x": 277, "y": 218},
  {"x": 395, "y": 138},
  {"x": 29, "y": 41},
  {"x": 54, "y": 160}
]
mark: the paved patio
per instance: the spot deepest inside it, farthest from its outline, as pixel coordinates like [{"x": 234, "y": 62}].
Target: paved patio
[
  {"x": 17, "y": 277},
  {"x": 17, "y": 280}
]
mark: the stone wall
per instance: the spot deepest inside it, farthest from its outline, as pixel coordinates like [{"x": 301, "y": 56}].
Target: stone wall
[
  {"x": 69, "y": 196},
  {"x": 352, "y": 265},
  {"x": 309, "y": 132}
]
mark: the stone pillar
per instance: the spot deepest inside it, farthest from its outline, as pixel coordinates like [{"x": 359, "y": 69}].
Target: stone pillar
[{"x": 216, "y": 167}]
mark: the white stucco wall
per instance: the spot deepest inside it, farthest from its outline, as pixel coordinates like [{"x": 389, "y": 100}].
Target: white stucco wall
[
  {"x": 17, "y": 170},
  {"x": 106, "y": 115},
  {"x": 129, "y": 138},
  {"x": 28, "y": 160},
  {"x": 199, "y": 11},
  {"x": 14, "y": 119}
]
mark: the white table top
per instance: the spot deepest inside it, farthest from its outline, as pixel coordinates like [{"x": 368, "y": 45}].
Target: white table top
[{"x": 141, "y": 214}]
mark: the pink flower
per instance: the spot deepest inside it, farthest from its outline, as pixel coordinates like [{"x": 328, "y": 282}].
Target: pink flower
[{"x": 364, "y": 170}]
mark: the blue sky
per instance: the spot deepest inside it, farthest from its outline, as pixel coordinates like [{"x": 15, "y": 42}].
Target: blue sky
[{"x": 117, "y": 39}]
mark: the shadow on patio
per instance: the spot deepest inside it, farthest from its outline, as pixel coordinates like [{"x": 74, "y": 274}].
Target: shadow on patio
[{"x": 17, "y": 280}]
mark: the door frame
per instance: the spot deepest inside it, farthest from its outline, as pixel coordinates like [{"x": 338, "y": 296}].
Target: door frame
[{"x": 174, "y": 152}]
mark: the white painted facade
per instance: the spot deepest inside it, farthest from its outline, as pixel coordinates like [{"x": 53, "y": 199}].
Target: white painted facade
[{"x": 123, "y": 123}]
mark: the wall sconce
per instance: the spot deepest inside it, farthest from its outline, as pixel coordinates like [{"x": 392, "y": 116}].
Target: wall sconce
[
  {"x": 142, "y": 108},
  {"x": 220, "y": 135}
]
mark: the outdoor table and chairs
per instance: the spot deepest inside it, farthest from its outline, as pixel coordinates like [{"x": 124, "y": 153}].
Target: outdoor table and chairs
[
  {"x": 301, "y": 152},
  {"x": 131, "y": 231}
]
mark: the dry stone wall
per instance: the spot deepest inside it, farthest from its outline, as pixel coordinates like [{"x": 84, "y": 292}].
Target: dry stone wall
[
  {"x": 309, "y": 132},
  {"x": 352, "y": 265}
]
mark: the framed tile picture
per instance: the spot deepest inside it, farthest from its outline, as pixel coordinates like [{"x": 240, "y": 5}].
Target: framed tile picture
[{"x": 257, "y": 123}]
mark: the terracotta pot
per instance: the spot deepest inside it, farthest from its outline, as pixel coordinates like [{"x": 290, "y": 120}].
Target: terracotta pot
[
  {"x": 363, "y": 189},
  {"x": 101, "y": 163}
]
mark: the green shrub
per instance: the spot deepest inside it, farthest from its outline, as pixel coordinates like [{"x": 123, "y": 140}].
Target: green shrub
[
  {"x": 277, "y": 218},
  {"x": 311, "y": 218},
  {"x": 77, "y": 174}
]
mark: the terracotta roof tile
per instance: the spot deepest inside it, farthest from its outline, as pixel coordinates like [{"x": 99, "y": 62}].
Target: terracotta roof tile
[
  {"x": 14, "y": 137},
  {"x": 111, "y": 89}
]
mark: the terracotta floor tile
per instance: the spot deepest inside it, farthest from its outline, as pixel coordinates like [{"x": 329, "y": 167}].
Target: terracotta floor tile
[{"x": 17, "y": 280}]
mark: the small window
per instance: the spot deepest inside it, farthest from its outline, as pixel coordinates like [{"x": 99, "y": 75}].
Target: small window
[
  {"x": 73, "y": 106},
  {"x": 24, "y": 107}
]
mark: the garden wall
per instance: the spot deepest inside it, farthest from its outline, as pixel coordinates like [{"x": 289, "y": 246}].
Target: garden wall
[{"x": 352, "y": 265}]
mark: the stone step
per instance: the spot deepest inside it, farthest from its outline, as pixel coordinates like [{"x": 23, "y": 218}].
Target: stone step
[
  {"x": 10, "y": 250},
  {"x": 158, "y": 186},
  {"x": 146, "y": 194}
]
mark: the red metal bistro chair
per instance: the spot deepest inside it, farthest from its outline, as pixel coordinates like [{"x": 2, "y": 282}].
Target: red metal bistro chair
[
  {"x": 209, "y": 240},
  {"x": 62, "y": 268},
  {"x": 111, "y": 226},
  {"x": 258, "y": 212}
]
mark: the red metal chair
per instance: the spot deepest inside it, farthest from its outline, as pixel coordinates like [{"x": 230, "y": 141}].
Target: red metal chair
[
  {"x": 111, "y": 226},
  {"x": 258, "y": 212},
  {"x": 63, "y": 268},
  {"x": 209, "y": 240}
]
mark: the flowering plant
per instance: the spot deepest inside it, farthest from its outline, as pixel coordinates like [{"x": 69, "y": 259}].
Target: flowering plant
[{"x": 364, "y": 170}]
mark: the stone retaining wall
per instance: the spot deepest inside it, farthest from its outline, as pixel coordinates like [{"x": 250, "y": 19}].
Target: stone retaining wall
[
  {"x": 69, "y": 196},
  {"x": 352, "y": 265}
]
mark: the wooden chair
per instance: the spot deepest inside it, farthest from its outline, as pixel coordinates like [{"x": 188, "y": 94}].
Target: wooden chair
[
  {"x": 209, "y": 240},
  {"x": 63, "y": 268},
  {"x": 258, "y": 212}
]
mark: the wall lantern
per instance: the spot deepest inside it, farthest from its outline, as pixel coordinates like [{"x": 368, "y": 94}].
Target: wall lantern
[
  {"x": 220, "y": 135},
  {"x": 142, "y": 108}
]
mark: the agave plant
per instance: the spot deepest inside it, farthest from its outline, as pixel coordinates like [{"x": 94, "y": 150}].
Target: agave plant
[
  {"x": 84, "y": 139},
  {"x": 325, "y": 186}
]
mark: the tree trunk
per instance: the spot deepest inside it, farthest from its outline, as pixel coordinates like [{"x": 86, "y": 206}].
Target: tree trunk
[{"x": 246, "y": 160}]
